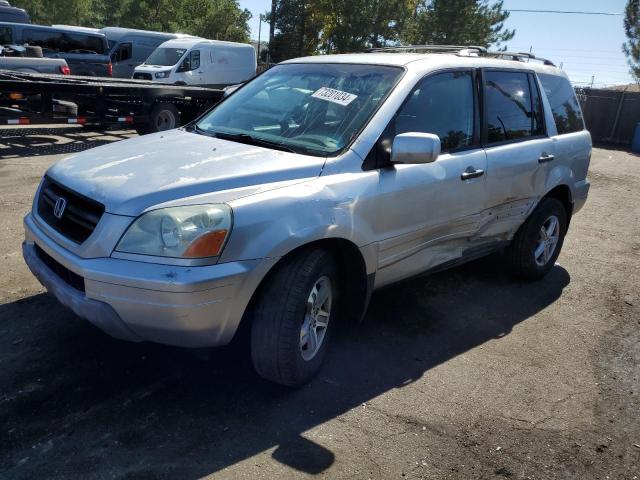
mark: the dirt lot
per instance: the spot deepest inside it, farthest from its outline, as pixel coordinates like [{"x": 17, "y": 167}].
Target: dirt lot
[{"x": 465, "y": 374}]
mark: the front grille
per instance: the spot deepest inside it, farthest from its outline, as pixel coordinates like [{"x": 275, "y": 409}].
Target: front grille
[
  {"x": 72, "y": 279},
  {"x": 142, "y": 76},
  {"x": 79, "y": 217}
]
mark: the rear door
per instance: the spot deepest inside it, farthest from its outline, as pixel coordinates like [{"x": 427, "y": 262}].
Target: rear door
[
  {"x": 429, "y": 211},
  {"x": 517, "y": 147}
]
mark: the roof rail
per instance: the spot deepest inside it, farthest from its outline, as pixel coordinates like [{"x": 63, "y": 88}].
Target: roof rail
[
  {"x": 518, "y": 56},
  {"x": 427, "y": 48},
  {"x": 461, "y": 50}
]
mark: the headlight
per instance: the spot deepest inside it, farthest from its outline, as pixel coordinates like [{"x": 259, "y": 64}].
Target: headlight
[
  {"x": 163, "y": 74},
  {"x": 195, "y": 231}
]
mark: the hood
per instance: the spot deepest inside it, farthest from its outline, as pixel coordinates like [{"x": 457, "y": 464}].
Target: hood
[{"x": 133, "y": 175}]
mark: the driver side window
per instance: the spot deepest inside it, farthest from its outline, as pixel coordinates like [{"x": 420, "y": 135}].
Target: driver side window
[
  {"x": 442, "y": 104},
  {"x": 123, "y": 53},
  {"x": 191, "y": 62}
]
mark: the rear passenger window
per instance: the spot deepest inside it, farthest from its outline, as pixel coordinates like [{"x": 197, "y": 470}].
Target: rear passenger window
[
  {"x": 512, "y": 111},
  {"x": 564, "y": 104},
  {"x": 442, "y": 104}
]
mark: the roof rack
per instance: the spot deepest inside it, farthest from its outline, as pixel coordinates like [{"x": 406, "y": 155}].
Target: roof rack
[
  {"x": 427, "y": 48},
  {"x": 518, "y": 56},
  {"x": 462, "y": 51}
]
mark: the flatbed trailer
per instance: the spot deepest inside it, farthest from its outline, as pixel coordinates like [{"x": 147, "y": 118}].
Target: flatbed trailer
[{"x": 37, "y": 99}]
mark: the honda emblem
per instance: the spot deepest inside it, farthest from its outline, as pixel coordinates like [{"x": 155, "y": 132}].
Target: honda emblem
[{"x": 59, "y": 207}]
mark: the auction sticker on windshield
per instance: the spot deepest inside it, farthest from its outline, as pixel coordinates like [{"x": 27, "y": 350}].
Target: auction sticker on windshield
[{"x": 334, "y": 96}]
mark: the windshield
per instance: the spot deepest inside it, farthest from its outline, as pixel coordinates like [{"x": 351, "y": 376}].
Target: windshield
[
  {"x": 165, "y": 57},
  {"x": 315, "y": 108}
]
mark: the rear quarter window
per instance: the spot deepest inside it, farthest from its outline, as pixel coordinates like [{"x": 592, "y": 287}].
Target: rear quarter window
[{"x": 564, "y": 104}]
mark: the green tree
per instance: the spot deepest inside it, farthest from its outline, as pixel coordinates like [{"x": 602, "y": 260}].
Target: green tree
[
  {"x": 306, "y": 27},
  {"x": 359, "y": 24},
  {"x": 216, "y": 19},
  {"x": 297, "y": 28},
  {"x": 70, "y": 12},
  {"x": 458, "y": 22},
  {"x": 632, "y": 28}
]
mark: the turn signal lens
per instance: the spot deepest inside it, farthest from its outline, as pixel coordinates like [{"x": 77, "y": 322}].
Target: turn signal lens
[{"x": 207, "y": 245}]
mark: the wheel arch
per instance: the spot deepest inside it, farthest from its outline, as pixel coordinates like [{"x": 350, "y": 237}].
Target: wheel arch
[
  {"x": 352, "y": 270},
  {"x": 562, "y": 193}
]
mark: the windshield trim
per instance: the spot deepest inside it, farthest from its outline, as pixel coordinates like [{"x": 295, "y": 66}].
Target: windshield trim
[{"x": 357, "y": 133}]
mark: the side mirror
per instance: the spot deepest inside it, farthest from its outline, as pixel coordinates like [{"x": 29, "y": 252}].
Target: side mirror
[{"x": 415, "y": 147}]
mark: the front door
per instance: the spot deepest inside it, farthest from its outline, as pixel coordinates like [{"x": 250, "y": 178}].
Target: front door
[
  {"x": 430, "y": 211},
  {"x": 122, "y": 60}
]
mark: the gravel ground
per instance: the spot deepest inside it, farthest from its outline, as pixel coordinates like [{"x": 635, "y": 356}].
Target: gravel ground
[{"x": 466, "y": 374}]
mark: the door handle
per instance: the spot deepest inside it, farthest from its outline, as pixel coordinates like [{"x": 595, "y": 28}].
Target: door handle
[
  {"x": 544, "y": 158},
  {"x": 470, "y": 173}
]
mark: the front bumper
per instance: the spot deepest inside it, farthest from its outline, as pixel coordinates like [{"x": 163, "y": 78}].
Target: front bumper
[{"x": 137, "y": 301}]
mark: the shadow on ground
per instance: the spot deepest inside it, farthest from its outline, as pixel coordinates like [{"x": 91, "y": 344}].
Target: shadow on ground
[
  {"x": 29, "y": 142},
  {"x": 73, "y": 400}
]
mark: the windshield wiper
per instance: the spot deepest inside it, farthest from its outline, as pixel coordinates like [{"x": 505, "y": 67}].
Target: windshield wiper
[
  {"x": 195, "y": 128},
  {"x": 250, "y": 140}
]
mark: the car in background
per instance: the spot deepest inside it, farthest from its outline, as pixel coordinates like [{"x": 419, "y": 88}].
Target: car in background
[
  {"x": 199, "y": 62},
  {"x": 13, "y": 14},
  {"x": 86, "y": 53},
  {"x": 130, "y": 47}
]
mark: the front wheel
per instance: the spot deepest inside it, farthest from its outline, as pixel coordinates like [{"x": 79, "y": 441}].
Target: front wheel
[
  {"x": 537, "y": 244},
  {"x": 293, "y": 318}
]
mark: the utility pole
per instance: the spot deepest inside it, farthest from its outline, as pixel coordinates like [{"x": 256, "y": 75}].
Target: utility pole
[
  {"x": 593, "y": 77},
  {"x": 272, "y": 27},
  {"x": 259, "y": 32}
]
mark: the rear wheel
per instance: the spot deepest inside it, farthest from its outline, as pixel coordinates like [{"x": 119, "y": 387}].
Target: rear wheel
[
  {"x": 293, "y": 318},
  {"x": 537, "y": 244}
]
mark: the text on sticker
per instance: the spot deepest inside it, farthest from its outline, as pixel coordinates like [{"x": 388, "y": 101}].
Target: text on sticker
[{"x": 335, "y": 96}]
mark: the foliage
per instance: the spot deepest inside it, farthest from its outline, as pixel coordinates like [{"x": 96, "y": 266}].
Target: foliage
[
  {"x": 305, "y": 27},
  {"x": 632, "y": 28},
  {"x": 458, "y": 22},
  {"x": 217, "y": 19},
  {"x": 298, "y": 25},
  {"x": 359, "y": 24}
]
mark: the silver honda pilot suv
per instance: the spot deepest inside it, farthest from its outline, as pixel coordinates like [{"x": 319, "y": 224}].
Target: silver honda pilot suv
[{"x": 319, "y": 181}]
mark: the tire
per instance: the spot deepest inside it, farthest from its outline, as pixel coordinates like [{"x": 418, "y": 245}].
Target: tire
[
  {"x": 280, "y": 350},
  {"x": 528, "y": 255},
  {"x": 163, "y": 116}
]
